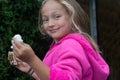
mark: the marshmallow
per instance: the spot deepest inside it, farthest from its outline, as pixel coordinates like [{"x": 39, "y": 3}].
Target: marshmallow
[{"x": 18, "y": 38}]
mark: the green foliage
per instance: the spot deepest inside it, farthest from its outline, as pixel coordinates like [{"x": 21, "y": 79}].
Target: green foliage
[{"x": 19, "y": 17}]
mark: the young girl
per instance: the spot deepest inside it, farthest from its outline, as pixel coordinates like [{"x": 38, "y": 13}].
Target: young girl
[{"x": 73, "y": 55}]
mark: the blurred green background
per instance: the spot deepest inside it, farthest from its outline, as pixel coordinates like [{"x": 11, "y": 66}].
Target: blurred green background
[{"x": 21, "y": 17}]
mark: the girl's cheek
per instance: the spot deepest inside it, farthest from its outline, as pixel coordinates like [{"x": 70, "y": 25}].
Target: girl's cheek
[{"x": 44, "y": 28}]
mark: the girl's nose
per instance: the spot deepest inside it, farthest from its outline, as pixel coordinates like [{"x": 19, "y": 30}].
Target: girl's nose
[{"x": 51, "y": 23}]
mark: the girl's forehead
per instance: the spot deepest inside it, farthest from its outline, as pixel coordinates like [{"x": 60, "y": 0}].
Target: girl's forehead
[{"x": 52, "y": 6}]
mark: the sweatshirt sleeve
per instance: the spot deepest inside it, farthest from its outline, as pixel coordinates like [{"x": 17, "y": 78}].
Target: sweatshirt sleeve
[{"x": 71, "y": 62}]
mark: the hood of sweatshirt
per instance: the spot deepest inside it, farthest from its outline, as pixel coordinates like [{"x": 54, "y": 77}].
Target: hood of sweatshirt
[{"x": 100, "y": 67}]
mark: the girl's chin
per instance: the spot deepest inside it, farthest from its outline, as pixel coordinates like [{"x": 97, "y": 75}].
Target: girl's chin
[{"x": 56, "y": 37}]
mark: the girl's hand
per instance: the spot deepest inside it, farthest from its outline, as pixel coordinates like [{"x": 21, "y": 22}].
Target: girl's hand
[
  {"x": 23, "y": 51},
  {"x": 22, "y": 66}
]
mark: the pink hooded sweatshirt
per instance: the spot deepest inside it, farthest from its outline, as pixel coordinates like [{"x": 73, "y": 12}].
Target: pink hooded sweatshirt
[{"x": 73, "y": 58}]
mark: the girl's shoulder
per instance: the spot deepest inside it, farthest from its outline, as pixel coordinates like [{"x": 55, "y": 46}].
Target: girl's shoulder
[{"x": 75, "y": 38}]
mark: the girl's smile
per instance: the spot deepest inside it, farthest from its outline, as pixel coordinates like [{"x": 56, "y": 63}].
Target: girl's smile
[{"x": 53, "y": 30}]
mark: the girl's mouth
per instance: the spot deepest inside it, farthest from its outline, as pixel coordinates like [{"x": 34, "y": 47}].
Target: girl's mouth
[{"x": 54, "y": 30}]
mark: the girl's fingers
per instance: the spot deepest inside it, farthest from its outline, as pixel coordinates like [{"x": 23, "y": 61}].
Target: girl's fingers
[
  {"x": 15, "y": 49},
  {"x": 17, "y": 43},
  {"x": 18, "y": 60},
  {"x": 17, "y": 46}
]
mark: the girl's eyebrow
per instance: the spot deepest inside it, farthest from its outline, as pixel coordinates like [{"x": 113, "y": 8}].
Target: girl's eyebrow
[
  {"x": 54, "y": 12},
  {"x": 43, "y": 17}
]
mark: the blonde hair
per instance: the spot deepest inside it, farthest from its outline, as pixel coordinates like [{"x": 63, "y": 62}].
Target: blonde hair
[{"x": 80, "y": 20}]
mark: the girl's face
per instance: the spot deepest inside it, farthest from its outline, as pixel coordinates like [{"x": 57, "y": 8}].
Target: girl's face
[{"x": 56, "y": 20}]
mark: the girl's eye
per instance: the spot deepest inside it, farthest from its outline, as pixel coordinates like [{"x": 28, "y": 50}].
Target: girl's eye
[
  {"x": 57, "y": 16},
  {"x": 45, "y": 20}
]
